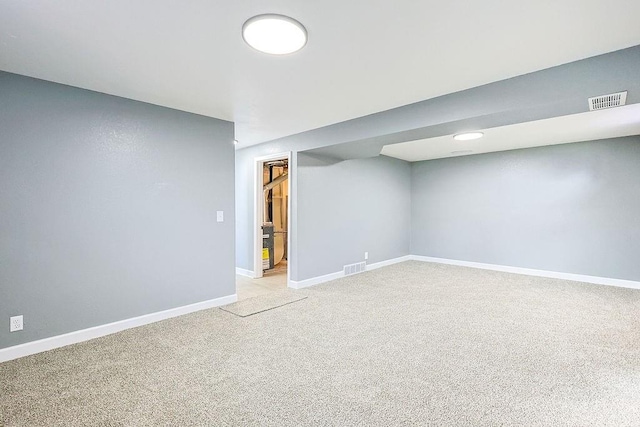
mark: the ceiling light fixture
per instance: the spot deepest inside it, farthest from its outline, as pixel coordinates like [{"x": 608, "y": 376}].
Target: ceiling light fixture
[
  {"x": 274, "y": 34},
  {"x": 468, "y": 136},
  {"x": 235, "y": 142}
]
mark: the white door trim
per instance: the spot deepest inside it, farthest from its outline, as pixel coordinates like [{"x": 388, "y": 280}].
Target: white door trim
[{"x": 258, "y": 211}]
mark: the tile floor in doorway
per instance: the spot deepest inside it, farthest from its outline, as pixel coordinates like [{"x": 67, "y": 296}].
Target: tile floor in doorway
[{"x": 272, "y": 280}]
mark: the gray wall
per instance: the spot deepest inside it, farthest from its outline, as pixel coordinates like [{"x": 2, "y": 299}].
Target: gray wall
[
  {"x": 349, "y": 207},
  {"x": 547, "y": 93},
  {"x": 571, "y": 208},
  {"x": 326, "y": 196},
  {"x": 107, "y": 208}
]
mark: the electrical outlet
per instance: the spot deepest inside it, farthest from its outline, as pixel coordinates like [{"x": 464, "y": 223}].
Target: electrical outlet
[
  {"x": 16, "y": 323},
  {"x": 366, "y": 255}
]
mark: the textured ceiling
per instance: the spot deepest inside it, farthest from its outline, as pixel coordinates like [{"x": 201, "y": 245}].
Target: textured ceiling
[
  {"x": 593, "y": 125},
  {"x": 362, "y": 57}
]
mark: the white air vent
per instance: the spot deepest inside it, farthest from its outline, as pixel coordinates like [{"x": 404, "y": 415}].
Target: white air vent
[
  {"x": 356, "y": 268},
  {"x": 608, "y": 101}
]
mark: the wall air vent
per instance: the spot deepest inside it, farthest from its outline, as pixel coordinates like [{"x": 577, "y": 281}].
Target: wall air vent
[
  {"x": 607, "y": 101},
  {"x": 356, "y": 268}
]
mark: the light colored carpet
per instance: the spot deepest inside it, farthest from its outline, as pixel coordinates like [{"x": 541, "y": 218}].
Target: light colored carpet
[
  {"x": 410, "y": 344},
  {"x": 265, "y": 302}
]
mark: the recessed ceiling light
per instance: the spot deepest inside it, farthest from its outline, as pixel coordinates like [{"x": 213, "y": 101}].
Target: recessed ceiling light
[
  {"x": 274, "y": 34},
  {"x": 468, "y": 136}
]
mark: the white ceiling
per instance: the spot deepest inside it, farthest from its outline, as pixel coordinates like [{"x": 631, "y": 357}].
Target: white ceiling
[
  {"x": 611, "y": 123},
  {"x": 362, "y": 57}
]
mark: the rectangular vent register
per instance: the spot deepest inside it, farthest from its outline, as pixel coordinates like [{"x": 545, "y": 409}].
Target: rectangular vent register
[
  {"x": 356, "y": 268},
  {"x": 607, "y": 101}
]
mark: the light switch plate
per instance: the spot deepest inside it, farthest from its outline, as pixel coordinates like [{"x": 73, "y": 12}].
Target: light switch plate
[{"x": 220, "y": 216}]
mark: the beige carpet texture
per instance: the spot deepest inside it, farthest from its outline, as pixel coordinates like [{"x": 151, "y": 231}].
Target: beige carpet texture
[
  {"x": 410, "y": 344},
  {"x": 270, "y": 301}
]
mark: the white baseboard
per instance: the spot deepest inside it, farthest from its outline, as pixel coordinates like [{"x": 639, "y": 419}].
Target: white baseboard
[
  {"x": 533, "y": 272},
  {"x": 246, "y": 273},
  {"x": 338, "y": 274},
  {"x": 45, "y": 344},
  {"x": 388, "y": 262},
  {"x": 315, "y": 280}
]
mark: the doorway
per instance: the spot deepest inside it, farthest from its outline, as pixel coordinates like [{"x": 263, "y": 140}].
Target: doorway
[{"x": 272, "y": 220}]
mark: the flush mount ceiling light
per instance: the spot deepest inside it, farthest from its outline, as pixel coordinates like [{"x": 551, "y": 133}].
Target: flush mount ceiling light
[
  {"x": 274, "y": 34},
  {"x": 468, "y": 136}
]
